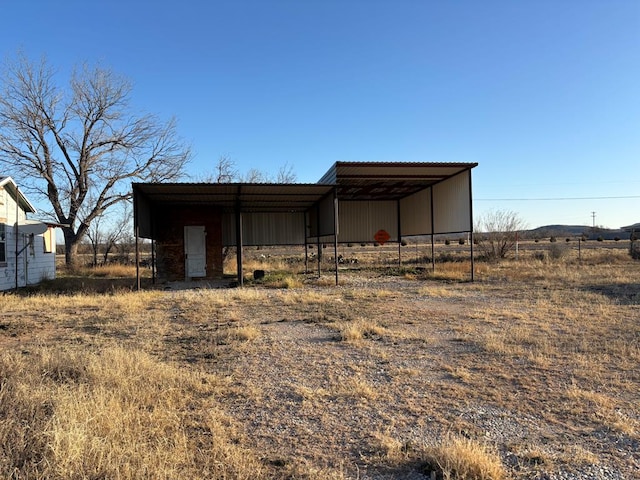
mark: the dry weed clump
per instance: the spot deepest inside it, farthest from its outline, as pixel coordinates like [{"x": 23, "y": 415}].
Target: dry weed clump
[
  {"x": 460, "y": 458},
  {"x": 391, "y": 447},
  {"x": 355, "y": 331},
  {"x": 245, "y": 333},
  {"x": 357, "y": 388}
]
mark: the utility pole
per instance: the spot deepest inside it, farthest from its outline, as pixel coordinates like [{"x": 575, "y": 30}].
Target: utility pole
[{"x": 593, "y": 216}]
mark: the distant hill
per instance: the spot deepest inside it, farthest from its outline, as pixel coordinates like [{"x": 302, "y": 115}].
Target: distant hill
[{"x": 576, "y": 230}]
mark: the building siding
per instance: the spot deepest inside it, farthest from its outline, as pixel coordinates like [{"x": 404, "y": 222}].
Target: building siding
[
  {"x": 360, "y": 220},
  {"x": 34, "y": 265},
  {"x": 452, "y": 204}
]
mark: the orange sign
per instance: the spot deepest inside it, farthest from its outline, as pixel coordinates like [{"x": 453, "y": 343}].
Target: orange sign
[{"x": 382, "y": 237}]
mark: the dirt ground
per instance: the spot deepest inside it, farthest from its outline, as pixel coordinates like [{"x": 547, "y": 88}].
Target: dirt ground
[{"x": 357, "y": 380}]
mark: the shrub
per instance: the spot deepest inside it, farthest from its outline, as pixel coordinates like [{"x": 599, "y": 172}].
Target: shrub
[
  {"x": 557, "y": 251},
  {"x": 447, "y": 242},
  {"x": 403, "y": 243},
  {"x": 461, "y": 241},
  {"x": 540, "y": 256},
  {"x": 552, "y": 239},
  {"x": 634, "y": 250},
  {"x": 500, "y": 233},
  {"x": 600, "y": 239}
]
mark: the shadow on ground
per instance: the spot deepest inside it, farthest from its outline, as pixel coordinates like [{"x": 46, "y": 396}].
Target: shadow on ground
[
  {"x": 624, "y": 293},
  {"x": 71, "y": 285}
]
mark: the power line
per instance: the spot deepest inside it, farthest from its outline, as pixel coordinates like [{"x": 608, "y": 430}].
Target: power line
[{"x": 552, "y": 198}]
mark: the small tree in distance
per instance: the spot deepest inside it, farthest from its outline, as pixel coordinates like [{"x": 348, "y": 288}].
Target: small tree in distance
[
  {"x": 106, "y": 233},
  {"x": 496, "y": 232}
]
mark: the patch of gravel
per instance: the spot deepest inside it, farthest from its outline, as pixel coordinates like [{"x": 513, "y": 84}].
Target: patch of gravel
[
  {"x": 289, "y": 398},
  {"x": 500, "y": 425},
  {"x": 590, "y": 472}
]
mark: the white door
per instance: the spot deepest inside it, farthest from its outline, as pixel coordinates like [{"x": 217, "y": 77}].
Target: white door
[{"x": 195, "y": 252}]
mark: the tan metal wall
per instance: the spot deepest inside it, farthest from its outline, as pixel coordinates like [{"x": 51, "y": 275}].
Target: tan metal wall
[
  {"x": 265, "y": 229},
  {"x": 359, "y": 221},
  {"x": 452, "y": 204},
  {"x": 415, "y": 213}
]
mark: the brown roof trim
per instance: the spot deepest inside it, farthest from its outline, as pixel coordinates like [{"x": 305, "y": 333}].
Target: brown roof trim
[{"x": 406, "y": 164}]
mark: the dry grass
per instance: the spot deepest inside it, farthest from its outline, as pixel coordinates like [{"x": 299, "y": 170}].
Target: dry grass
[
  {"x": 113, "y": 414},
  {"x": 459, "y": 458},
  {"x": 358, "y": 330},
  {"x": 534, "y": 368}
]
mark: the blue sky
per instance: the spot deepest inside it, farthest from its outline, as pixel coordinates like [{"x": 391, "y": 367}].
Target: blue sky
[{"x": 544, "y": 95}]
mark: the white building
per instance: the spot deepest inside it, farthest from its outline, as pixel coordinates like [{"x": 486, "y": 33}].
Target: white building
[{"x": 28, "y": 247}]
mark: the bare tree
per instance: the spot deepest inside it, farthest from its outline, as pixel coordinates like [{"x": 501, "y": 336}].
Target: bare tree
[
  {"x": 105, "y": 233},
  {"x": 226, "y": 171},
  {"x": 286, "y": 174},
  {"x": 496, "y": 233},
  {"x": 95, "y": 235},
  {"x": 80, "y": 148},
  {"x": 255, "y": 176}
]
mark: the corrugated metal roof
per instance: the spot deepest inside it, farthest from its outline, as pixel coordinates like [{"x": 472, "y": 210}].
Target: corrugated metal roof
[
  {"x": 354, "y": 181},
  {"x": 388, "y": 180},
  {"x": 252, "y": 197}
]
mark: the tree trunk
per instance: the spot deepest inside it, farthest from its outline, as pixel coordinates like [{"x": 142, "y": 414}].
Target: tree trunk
[{"x": 71, "y": 242}]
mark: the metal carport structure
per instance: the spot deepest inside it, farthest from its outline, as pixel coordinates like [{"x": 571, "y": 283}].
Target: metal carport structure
[{"x": 404, "y": 199}]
